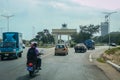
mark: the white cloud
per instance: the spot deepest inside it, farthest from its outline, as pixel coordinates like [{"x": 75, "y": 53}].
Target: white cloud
[
  {"x": 104, "y": 4},
  {"x": 59, "y": 5}
]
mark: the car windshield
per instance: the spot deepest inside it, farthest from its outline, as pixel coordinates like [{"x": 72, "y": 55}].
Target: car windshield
[
  {"x": 80, "y": 44},
  {"x": 60, "y": 46}
]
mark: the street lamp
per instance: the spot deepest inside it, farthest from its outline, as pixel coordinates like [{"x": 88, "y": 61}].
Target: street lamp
[
  {"x": 7, "y": 17},
  {"x": 107, "y": 19}
]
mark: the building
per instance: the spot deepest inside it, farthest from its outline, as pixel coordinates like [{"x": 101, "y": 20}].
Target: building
[{"x": 104, "y": 28}]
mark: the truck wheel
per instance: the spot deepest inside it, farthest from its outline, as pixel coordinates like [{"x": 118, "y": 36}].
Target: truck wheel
[
  {"x": 20, "y": 55},
  {"x": 2, "y": 58}
]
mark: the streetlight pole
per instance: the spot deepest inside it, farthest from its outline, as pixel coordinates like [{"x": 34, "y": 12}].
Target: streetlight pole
[
  {"x": 107, "y": 19},
  {"x": 7, "y": 17},
  {"x": 109, "y": 33},
  {"x": 1, "y": 30}
]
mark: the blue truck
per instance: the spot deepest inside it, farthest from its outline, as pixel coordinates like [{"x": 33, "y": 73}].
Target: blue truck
[
  {"x": 90, "y": 44},
  {"x": 11, "y": 45}
]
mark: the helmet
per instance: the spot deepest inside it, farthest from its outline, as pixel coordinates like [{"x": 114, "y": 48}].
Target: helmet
[{"x": 33, "y": 44}]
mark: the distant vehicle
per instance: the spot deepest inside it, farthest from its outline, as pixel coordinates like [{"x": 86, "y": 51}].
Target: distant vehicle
[
  {"x": 61, "y": 49},
  {"x": 90, "y": 44},
  {"x": 12, "y": 45},
  {"x": 80, "y": 48},
  {"x": 112, "y": 44}
]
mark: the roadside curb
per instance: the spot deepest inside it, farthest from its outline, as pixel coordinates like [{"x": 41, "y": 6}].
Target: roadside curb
[{"x": 117, "y": 67}]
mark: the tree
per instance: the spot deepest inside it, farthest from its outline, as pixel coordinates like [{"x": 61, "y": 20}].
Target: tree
[
  {"x": 91, "y": 29},
  {"x": 114, "y": 38},
  {"x": 86, "y": 32},
  {"x": 44, "y": 37}
]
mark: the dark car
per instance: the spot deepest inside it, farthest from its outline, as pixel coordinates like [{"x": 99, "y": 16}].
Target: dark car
[
  {"x": 112, "y": 44},
  {"x": 80, "y": 48}
]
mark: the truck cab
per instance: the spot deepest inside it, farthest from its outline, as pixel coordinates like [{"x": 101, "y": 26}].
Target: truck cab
[{"x": 90, "y": 44}]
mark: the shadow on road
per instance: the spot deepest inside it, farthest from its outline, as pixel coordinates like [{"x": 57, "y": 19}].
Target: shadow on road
[
  {"x": 8, "y": 59},
  {"x": 26, "y": 77}
]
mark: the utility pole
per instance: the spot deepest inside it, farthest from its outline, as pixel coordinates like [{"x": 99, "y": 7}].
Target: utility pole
[
  {"x": 1, "y": 30},
  {"x": 7, "y": 17},
  {"x": 107, "y": 19}
]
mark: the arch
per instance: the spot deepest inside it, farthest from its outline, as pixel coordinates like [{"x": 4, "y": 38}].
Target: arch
[{"x": 62, "y": 31}]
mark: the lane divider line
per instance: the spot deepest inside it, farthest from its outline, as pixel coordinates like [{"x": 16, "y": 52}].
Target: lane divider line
[{"x": 90, "y": 58}]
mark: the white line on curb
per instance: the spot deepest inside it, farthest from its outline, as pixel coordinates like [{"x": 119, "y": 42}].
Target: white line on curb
[{"x": 114, "y": 65}]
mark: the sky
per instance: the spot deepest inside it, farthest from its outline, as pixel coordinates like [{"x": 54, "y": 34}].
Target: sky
[{"x": 32, "y": 16}]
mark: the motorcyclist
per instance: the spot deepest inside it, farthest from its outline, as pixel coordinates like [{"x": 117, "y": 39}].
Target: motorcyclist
[{"x": 33, "y": 55}]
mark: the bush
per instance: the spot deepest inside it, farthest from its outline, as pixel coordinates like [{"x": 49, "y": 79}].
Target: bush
[{"x": 101, "y": 60}]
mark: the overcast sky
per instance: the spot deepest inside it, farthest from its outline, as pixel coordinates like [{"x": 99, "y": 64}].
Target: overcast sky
[{"x": 51, "y": 14}]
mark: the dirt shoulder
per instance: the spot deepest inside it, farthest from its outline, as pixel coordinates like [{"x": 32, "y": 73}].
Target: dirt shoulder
[
  {"x": 111, "y": 72},
  {"x": 113, "y": 56}
]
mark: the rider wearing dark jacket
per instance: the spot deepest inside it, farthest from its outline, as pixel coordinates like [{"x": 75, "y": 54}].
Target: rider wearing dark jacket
[{"x": 32, "y": 55}]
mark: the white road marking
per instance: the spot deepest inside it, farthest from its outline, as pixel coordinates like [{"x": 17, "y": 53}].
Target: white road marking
[{"x": 90, "y": 58}]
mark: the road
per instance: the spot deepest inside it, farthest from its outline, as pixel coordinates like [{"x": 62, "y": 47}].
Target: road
[{"x": 74, "y": 66}]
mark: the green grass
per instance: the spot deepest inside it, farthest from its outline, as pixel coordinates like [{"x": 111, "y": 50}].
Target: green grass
[
  {"x": 99, "y": 44},
  {"x": 112, "y": 50},
  {"x": 101, "y": 60}
]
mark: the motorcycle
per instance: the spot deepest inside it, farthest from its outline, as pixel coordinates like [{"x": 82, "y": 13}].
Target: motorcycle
[{"x": 32, "y": 68}]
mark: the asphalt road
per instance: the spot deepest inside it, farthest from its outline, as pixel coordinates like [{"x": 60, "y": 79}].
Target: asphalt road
[{"x": 74, "y": 66}]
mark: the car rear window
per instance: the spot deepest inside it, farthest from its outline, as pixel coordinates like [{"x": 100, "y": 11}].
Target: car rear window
[{"x": 60, "y": 46}]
